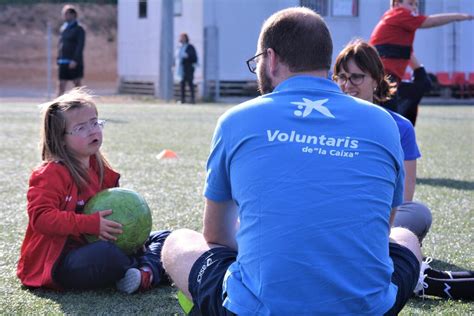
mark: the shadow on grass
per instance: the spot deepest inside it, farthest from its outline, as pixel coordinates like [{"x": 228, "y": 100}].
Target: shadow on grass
[
  {"x": 448, "y": 183},
  {"x": 443, "y": 265},
  {"x": 158, "y": 301}
]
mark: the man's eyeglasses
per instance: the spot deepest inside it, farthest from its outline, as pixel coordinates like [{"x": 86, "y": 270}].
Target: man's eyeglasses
[
  {"x": 355, "y": 79},
  {"x": 83, "y": 130},
  {"x": 252, "y": 62}
]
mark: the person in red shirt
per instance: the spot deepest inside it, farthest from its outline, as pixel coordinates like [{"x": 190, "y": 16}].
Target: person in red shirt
[
  {"x": 393, "y": 38},
  {"x": 54, "y": 253}
]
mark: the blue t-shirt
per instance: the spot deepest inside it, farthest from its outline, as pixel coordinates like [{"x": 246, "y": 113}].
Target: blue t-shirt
[
  {"x": 407, "y": 137},
  {"x": 315, "y": 174}
]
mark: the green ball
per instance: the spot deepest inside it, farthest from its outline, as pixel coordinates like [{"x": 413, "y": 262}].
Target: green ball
[{"x": 129, "y": 209}]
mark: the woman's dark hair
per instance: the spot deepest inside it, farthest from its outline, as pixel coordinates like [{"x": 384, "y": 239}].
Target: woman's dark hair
[{"x": 365, "y": 56}]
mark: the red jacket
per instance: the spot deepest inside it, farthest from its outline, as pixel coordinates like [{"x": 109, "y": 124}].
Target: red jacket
[
  {"x": 396, "y": 28},
  {"x": 52, "y": 198}
]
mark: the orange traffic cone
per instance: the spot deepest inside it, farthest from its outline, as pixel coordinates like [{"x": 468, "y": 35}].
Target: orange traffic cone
[{"x": 167, "y": 154}]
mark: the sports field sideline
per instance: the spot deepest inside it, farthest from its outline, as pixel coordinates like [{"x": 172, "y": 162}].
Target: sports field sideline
[{"x": 137, "y": 130}]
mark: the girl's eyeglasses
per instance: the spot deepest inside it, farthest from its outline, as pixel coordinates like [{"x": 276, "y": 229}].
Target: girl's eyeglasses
[{"x": 83, "y": 130}]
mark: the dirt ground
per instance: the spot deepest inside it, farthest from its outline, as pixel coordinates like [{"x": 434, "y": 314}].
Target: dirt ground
[{"x": 23, "y": 47}]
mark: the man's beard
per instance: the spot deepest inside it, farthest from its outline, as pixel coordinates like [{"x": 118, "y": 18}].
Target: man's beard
[{"x": 264, "y": 81}]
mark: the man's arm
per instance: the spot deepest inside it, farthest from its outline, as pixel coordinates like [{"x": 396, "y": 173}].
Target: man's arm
[
  {"x": 444, "y": 18},
  {"x": 81, "y": 41},
  {"x": 220, "y": 223}
]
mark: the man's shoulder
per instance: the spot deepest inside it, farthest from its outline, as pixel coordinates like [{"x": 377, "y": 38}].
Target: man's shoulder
[
  {"x": 245, "y": 108},
  {"x": 373, "y": 116},
  {"x": 81, "y": 28},
  {"x": 77, "y": 27},
  {"x": 368, "y": 108}
]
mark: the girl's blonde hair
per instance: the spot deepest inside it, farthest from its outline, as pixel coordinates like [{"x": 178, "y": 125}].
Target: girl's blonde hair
[{"x": 53, "y": 130}]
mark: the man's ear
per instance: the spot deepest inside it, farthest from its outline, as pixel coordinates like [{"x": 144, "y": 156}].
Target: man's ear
[{"x": 273, "y": 61}]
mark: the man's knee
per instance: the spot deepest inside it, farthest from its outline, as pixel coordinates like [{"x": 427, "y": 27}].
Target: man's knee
[
  {"x": 406, "y": 238},
  {"x": 179, "y": 242},
  {"x": 180, "y": 251}
]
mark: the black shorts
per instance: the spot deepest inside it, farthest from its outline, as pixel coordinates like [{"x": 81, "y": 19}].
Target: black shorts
[
  {"x": 207, "y": 275},
  {"x": 406, "y": 271},
  {"x": 70, "y": 74},
  {"x": 205, "y": 281}
]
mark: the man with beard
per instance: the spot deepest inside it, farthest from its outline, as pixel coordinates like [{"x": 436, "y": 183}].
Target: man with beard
[{"x": 300, "y": 194}]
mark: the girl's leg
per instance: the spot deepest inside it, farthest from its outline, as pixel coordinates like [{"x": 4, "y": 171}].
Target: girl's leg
[
  {"x": 96, "y": 265},
  {"x": 183, "y": 91},
  {"x": 149, "y": 271},
  {"x": 151, "y": 257}
]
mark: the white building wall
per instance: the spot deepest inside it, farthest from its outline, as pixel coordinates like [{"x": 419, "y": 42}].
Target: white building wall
[
  {"x": 238, "y": 23},
  {"x": 138, "y": 41}
]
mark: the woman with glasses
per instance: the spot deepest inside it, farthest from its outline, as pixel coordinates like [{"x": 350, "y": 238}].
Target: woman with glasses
[
  {"x": 54, "y": 253},
  {"x": 359, "y": 72}
]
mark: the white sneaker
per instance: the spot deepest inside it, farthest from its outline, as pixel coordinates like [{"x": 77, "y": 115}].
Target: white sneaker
[
  {"x": 421, "y": 285},
  {"x": 130, "y": 283}
]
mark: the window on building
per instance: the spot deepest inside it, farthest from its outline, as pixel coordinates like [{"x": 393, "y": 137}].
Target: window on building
[
  {"x": 345, "y": 8},
  {"x": 142, "y": 9},
  {"x": 319, "y": 6},
  {"x": 178, "y": 7},
  {"x": 421, "y": 7},
  {"x": 333, "y": 7}
]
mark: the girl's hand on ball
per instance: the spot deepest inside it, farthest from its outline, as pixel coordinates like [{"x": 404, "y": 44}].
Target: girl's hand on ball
[{"x": 108, "y": 228}]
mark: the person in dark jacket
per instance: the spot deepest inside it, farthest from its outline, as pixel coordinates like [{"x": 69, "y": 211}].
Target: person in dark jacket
[
  {"x": 70, "y": 50},
  {"x": 187, "y": 58}
]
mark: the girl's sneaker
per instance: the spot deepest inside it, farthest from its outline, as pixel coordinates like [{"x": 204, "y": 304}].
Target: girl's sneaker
[{"x": 134, "y": 280}]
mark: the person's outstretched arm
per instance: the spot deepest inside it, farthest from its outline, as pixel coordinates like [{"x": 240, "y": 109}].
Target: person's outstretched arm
[
  {"x": 220, "y": 223},
  {"x": 445, "y": 18}
]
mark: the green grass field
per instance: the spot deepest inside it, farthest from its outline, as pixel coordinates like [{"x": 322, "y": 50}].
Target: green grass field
[{"x": 137, "y": 131}]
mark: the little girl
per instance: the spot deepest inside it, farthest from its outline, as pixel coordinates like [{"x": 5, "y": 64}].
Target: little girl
[{"x": 54, "y": 253}]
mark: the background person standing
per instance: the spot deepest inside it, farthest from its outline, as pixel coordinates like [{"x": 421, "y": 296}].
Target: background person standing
[
  {"x": 393, "y": 38},
  {"x": 70, "y": 50},
  {"x": 187, "y": 59}
]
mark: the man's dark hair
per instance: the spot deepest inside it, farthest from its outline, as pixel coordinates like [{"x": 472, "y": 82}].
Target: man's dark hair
[
  {"x": 300, "y": 37},
  {"x": 72, "y": 11},
  {"x": 69, "y": 9}
]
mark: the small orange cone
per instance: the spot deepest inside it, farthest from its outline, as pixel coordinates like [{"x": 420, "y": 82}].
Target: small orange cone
[{"x": 166, "y": 154}]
